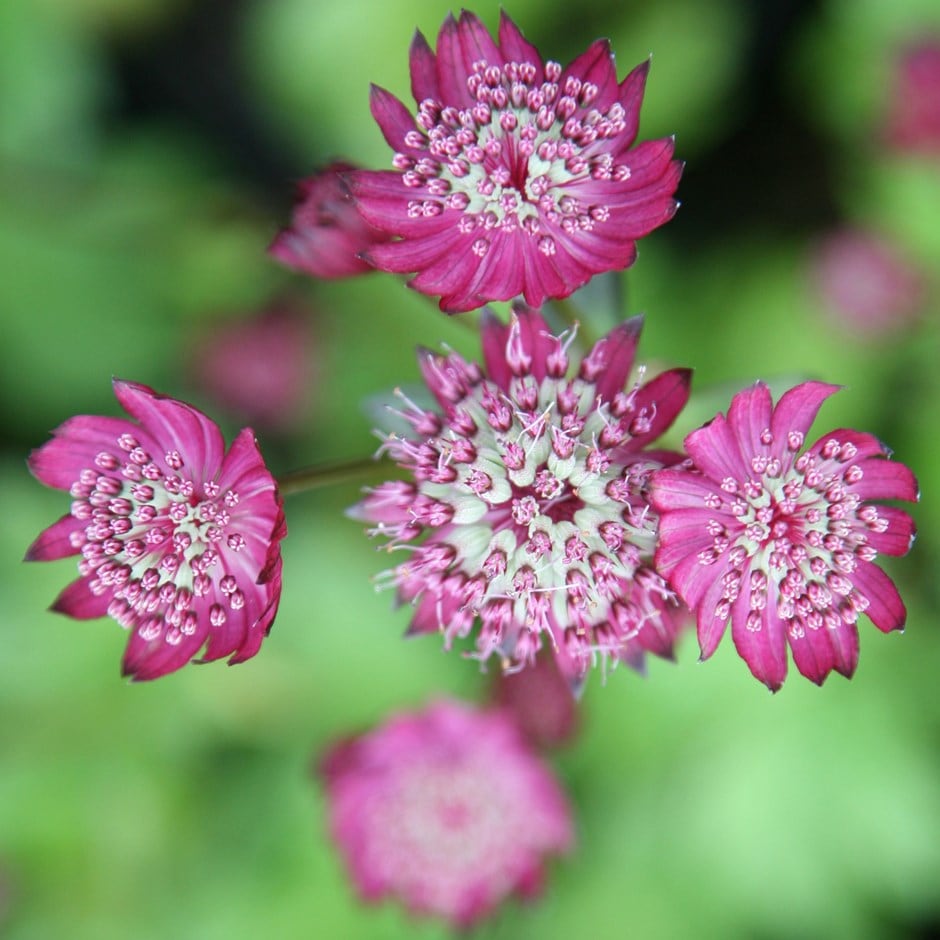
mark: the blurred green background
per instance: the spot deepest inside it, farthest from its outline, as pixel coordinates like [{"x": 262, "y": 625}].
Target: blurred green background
[{"x": 147, "y": 154}]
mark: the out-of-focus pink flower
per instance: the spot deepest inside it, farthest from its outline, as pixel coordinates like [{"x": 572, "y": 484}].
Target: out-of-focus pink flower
[
  {"x": 326, "y": 234},
  {"x": 518, "y": 176},
  {"x": 780, "y": 542},
  {"x": 913, "y": 116},
  {"x": 180, "y": 541},
  {"x": 865, "y": 283},
  {"x": 539, "y": 700},
  {"x": 531, "y": 490},
  {"x": 447, "y": 810},
  {"x": 262, "y": 369}
]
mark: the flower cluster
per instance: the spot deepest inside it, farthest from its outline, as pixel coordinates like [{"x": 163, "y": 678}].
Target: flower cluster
[{"x": 541, "y": 524}]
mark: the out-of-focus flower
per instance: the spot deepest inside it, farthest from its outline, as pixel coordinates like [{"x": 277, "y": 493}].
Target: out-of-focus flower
[
  {"x": 531, "y": 489},
  {"x": 447, "y": 810},
  {"x": 326, "y": 234},
  {"x": 180, "y": 541},
  {"x": 539, "y": 700},
  {"x": 518, "y": 176},
  {"x": 780, "y": 542},
  {"x": 913, "y": 114},
  {"x": 865, "y": 283},
  {"x": 261, "y": 370}
]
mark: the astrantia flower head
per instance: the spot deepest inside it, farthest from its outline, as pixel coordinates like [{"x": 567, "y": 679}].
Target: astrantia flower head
[
  {"x": 447, "y": 810},
  {"x": 531, "y": 489},
  {"x": 913, "y": 115},
  {"x": 180, "y": 541},
  {"x": 517, "y": 176},
  {"x": 866, "y": 283},
  {"x": 326, "y": 234},
  {"x": 783, "y": 541}
]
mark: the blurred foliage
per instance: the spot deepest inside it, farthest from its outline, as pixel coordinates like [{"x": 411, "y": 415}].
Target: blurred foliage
[{"x": 129, "y": 218}]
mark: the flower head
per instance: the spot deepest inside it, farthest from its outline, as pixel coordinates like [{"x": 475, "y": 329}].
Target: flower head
[
  {"x": 518, "y": 176},
  {"x": 783, "y": 541},
  {"x": 262, "y": 369},
  {"x": 913, "y": 118},
  {"x": 866, "y": 283},
  {"x": 326, "y": 234},
  {"x": 531, "y": 490},
  {"x": 446, "y": 809},
  {"x": 180, "y": 541}
]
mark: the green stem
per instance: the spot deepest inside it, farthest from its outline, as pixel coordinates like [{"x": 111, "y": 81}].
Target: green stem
[{"x": 312, "y": 478}]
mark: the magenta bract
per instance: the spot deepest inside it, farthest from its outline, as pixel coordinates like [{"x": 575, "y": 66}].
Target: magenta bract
[
  {"x": 529, "y": 488},
  {"x": 781, "y": 541},
  {"x": 326, "y": 234},
  {"x": 517, "y": 177},
  {"x": 180, "y": 541},
  {"x": 447, "y": 810}
]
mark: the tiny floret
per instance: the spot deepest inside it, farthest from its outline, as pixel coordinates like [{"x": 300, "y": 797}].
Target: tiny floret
[
  {"x": 529, "y": 488},
  {"x": 781, "y": 540},
  {"x": 516, "y": 177},
  {"x": 179, "y": 540},
  {"x": 447, "y": 810}
]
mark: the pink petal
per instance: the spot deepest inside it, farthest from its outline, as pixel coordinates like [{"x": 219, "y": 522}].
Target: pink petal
[
  {"x": 610, "y": 360},
  {"x": 796, "y": 411},
  {"x": 175, "y": 426},
  {"x": 595, "y": 65},
  {"x": 714, "y": 450},
  {"x": 748, "y": 416},
  {"x": 898, "y": 538},
  {"x": 150, "y": 659},
  {"x": 55, "y": 542},
  {"x": 451, "y": 71},
  {"x": 393, "y": 118},
  {"x": 709, "y": 626},
  {"x": 885, "y": 479},
  {"x": 690, "y": 579},
  {"x": 423, "y": 66},
  {"x": 516, "y": 48},
  {"x": 681, "y": 489},
  {"x": 886, "y": 610},
  {"x": 631, "y": 97},
  {"x": 682, "y": 532},
  {"x": 867, "y": 445},
  {"x": 665, "y": 396},
  {"x": 75, "y": 445},
  {"x": 765, "y": 649},
  {"x": 493, "y": 339},
  {"x": 78, "y": 601},
  {"x": 415, "y": 254},
  {"x": 476, "y": 43},
  {"x": 819, "y": 651}
]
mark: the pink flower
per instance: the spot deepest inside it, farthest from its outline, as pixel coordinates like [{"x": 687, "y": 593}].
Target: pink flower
[
  {"x": 517, "y": 177},
  {"x": 261, "y": 369},
  {"x": 780, "y": 542},
  {"x": 446, "y": 809},
  {"x": 180, "y": 541},
  {"x": 531, "y": 491},
  {"x": 326, "y": 234},
  {"x": 866, "y": 283},
  {"x": 913, "y": 118}
]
